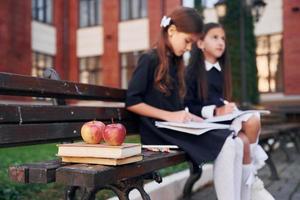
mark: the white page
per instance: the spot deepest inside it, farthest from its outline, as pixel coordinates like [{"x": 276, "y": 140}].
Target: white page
[
  {"x": 234, "y": 115},
  {"x": 193, "y": 125}
]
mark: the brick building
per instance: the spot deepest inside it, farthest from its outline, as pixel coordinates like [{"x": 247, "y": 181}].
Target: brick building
[
  {"x": 99, "y": 41},
  {"x": 277, "y": 37}
]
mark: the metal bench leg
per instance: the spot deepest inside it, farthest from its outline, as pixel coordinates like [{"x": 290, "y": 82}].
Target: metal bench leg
[
  {"x": 274, "y": 173},
  {"x": 195, "y": 174},
  {"x": 283, "y": 145},
  {"x": 89, "y": 194},
  {"x": 70, "y": 192},
  {"x": 269, "y": 161},
  {"x": 123, "y": 188},
  {"x": 296, "y": 140}
]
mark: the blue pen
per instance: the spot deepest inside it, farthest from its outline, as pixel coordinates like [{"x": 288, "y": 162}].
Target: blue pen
[
  {"x": 227, "y": 102},
  {"x": 224, "y": 101}
]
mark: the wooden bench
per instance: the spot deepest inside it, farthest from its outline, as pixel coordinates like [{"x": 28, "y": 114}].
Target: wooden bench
[
  {"x": 27, "y": 124},
  {"x": 276, "y": 129}
]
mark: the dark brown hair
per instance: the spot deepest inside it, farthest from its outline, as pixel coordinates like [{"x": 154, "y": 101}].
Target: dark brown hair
[
  {"x": 197, "y": 67},
  {"x": 186, "y": 20}
]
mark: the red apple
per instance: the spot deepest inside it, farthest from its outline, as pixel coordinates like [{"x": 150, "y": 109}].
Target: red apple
[
  {"x": 114, "y": 134},
  {"x": 91, "y": 132}
]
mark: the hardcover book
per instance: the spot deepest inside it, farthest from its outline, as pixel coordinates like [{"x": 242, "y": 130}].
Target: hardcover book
[
  {"x": 81, "y": 149},
  {"x": 102, "y": 161}
]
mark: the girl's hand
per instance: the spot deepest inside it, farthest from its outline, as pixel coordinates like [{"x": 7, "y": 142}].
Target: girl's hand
[
  {"x": 182, "y": 116},
  {"x": 226, "y": 109}
]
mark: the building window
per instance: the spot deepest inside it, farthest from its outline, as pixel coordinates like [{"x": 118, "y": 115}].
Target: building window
[
  {"x": 90, "y": 70},
  {"x": 90, "y": 13},
  {"x": 269, "y": 63},
  {"x": 42, "y": 11},
  {"x": 40, "y": 62},
  {"x": 133, "y": 9},
  {"x": 128, "y": 64}
]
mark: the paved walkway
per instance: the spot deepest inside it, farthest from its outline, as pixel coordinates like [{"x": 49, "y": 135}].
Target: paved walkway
[{"x": 287, "y": 188}]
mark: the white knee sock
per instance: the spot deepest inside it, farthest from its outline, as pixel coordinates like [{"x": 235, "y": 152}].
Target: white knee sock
[
  {"x": 247, "y": 180},
  {"x": 224, "y": 171},
  {"x": 258, "y": 156},
  {"x": 238, "y": 167}
]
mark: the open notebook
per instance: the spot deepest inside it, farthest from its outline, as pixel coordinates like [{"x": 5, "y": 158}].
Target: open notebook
[{"x": 198, "y": 128}]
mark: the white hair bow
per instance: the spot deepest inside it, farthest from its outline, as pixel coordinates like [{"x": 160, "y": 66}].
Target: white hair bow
[{"x": 165, "y": 21}]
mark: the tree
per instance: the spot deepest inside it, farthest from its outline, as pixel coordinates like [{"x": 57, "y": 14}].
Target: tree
[{"x": 232, "y": 26}]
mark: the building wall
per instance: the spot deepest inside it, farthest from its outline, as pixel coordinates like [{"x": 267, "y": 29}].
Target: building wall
[
  {"x": 271, "y": 19},
  {"x": 111, "y": 59},
  {"x": 90, "y": 41},
  {"x": 291, "y": 46},
  {"x": 19, "y": 36},
  {"x": 136, "y": 40},
  {"x": 15, "y": 36},
  {"x": 65, "y": 20}
]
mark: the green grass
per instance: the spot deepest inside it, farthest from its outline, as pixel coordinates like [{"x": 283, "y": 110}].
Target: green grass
[{"x": 36, "y": 153}]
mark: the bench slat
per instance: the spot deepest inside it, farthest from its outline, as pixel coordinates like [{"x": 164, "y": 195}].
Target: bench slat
[
  {"x": 20, "y": 114},
  {"x": 25, "y": 134},
  {"x": 20, "y": 85},
  {"x": 87, "y": 175},
  {"x": 42, "y": 172}
]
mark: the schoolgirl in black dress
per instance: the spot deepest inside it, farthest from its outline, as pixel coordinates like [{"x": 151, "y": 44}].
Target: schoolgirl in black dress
[
  {"x": 157, "y": 88},
  {"x": 208, "y": 81}
]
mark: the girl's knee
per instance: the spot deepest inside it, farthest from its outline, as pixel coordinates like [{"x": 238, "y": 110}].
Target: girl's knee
[
  {"x": 252, "y": 128},
  {"x": 252, "y": 123}
]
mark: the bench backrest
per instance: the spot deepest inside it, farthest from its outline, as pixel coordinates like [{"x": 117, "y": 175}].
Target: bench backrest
[{"x": 32, "y": 124}]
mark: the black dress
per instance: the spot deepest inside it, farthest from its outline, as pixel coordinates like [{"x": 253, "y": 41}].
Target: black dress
[
  {"x": 214, "y": 91},
  {"x": 141, "y": 89}
]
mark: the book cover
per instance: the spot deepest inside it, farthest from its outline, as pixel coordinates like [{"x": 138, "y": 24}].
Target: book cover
[
  {"x": 102, "y": 161},
  {"x": 81, "y": 149}
]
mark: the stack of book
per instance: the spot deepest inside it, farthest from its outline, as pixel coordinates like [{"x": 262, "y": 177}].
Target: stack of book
[{"x": 103, "y": 154}]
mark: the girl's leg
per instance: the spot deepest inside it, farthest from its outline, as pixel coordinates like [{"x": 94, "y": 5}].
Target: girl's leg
[
  {"x": 238, "y": 167},
  {"x": 251, "y": 128},
  {"x": 247, "y": 169},
  {"x": 224, "y": 171}
]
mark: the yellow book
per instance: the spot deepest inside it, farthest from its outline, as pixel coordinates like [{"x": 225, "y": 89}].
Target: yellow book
[
  {"x": 102, "y": 161},
  {"x": 81, "y": 149}
]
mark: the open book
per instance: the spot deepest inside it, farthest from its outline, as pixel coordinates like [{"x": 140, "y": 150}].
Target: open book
[
  {"x": 195, "y": 128},
  {"x": 234, "y": 115},
  {"x": 198, "y": 128}
]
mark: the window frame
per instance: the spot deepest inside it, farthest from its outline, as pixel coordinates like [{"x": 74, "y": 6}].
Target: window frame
[
  {"x": 35, "y": 66},
  {"x": 268, "y": 54},
  {"x": 97, "y": 71},
  {"x": 97, "y": 17},
  {"x": 124, "y": 68},
  {"x": 128, "y": 4},
  {"x": 44, "y": 9}
]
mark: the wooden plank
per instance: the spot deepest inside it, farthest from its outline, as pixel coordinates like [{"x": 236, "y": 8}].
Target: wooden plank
[
  {"x": 25, "y": 134},
  {"x": 42, "y": 172},
  {"x": 88, "y": 175},
  {"x": 20, "y": 114},
  {"x": 20, "y": 85},
  {"x": 268, "y": 133}
]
